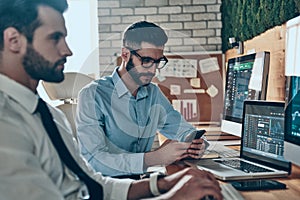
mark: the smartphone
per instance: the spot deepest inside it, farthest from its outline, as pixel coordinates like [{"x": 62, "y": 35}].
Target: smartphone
[
  {"x": 261, "y": 184},
  {"x": 195, "y": 135},
  {"x": 199, "y": 134}
]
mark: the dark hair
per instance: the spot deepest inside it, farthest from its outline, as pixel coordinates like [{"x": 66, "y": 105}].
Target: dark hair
[
  {"x": 144, "y": 31},
  {"x": 23, "y": 15}
]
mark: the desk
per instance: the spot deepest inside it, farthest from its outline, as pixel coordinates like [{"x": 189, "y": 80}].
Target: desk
[{"x": 291, "y": 193}]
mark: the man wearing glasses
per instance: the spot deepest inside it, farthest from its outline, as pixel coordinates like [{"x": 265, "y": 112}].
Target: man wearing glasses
[{"x": 119, "y": 115}]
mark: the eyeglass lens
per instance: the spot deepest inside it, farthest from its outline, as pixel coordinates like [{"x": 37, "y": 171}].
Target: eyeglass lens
[{"x": 148, "y": 62}]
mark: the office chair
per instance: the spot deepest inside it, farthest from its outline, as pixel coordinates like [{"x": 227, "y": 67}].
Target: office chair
[{"x": 67, "y": 92}]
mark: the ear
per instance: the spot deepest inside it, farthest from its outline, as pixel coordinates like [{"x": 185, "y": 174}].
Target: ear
[
  {"x": 125, "y": 55},
  {"x": 12, "y": 39}
]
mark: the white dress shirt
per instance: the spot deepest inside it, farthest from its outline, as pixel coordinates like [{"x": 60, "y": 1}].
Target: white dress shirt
[{"x": 30, "y": 167}]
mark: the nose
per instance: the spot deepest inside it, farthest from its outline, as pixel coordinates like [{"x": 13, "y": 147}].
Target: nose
[
  {"x": 65, "y": 50},
  {"x": 152, "y": 69}
]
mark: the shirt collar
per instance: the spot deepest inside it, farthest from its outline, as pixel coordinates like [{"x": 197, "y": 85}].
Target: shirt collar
[
  {"x": 19, "y": 93},
  {"x": 121, "y": 88}
]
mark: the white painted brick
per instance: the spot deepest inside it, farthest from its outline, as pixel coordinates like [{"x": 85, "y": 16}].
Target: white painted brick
[
  {"x": 145, "y": 11},
  {"x": 194, "y": 25},
  {"x": 131, "y": 19},
  {"x": 110, "y": 36},
  {"x": 179, "y": 2},
  {"x": 156, "y": 3},
  {"x": 214, "y": 40},
  {"x": 218, "y": 32},
  {"x": 174, "y": 41},
  {"x": 108, "y": 4},
  {"x": 204, "y": 16},
  {"x": 204, "y": 33},
  {"x": 181, "y": 49},
  {"x": 104, "y": 36},
  {"x": 181, "y": 17},
  {"x": 206, "y": 48},
  {"x": 157, "y": 18},
  {"x": 105, "y": 43},
  {"x": 194, "y": 41},
  {"x": 103, "y": 12},
  {"x": 169, "y": 10},
  {"x": 131, "y": 3},
  {"x": 213, "y": 8},
  {"x": 108, "y": 51},
  {"x": 104, "y": 28},
  {"x": 199, "y": 48},
  {"x": 171, "y": 25},
  {"x": 119, "y": 27},
  {"x": 110, "y": 20},
  {"x": 204, "y": 2},
  {"x": 121, "y": 11},
  {"x": 214, "y": 24},
  {"x": 180, "y": 34},
  {"x": 105, "y": 59},
  {"x": 116, "y": 44},
  {"x": 193, "y": 9}
]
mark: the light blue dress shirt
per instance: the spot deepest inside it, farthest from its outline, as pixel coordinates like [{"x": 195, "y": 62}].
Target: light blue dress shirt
[{"x": 115, "y": 129}]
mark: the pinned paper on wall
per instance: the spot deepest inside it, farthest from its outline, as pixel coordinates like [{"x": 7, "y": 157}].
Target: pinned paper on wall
[
  {"x": 194, "y": 91},
  {"x": 212, "y": 91},
  {"x": 195, "y": 82},
  {"x": 187, "y": 107},
  {"x": 209, "y": 65},
  {"x": 175, "y": 89},
  {"x": 257, "y": 72},
  {"x": 183, "y": 68}
]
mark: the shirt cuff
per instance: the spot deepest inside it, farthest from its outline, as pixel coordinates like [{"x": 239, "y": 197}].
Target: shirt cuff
[
  {"x": 137, "y": 163},
  {"x": 120, "y": 189}
]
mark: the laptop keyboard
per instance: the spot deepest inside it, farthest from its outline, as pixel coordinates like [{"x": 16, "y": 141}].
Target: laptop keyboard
[{"x": 244, "y": 166}]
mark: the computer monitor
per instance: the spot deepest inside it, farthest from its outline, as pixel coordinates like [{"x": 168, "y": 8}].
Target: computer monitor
[
  {"x": 292, "y": 120},
  {"x": 246, "y": 79},
  {"x": 292, "y": 109}
]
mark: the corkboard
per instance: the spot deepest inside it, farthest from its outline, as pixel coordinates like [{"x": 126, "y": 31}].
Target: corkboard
[{"x": 209, "y": 109}]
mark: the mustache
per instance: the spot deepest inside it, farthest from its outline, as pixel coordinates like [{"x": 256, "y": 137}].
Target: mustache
[
  {"x": 146, "y": 74},
  {"x": 60, "y": 62}
]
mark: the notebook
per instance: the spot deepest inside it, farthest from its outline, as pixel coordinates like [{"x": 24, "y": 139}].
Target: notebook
[{"x": 261, "y": 154}]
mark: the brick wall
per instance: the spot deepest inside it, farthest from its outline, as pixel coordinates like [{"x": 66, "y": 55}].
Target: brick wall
[{"x": 192, "y": 25}]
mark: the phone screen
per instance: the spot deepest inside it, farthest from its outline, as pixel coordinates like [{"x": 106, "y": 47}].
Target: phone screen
[{"x": 195, "y": 135}]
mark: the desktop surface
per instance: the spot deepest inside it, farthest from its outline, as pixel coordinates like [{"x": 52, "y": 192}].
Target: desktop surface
[
  {"x": 291, "y": 193},
  {"x": 292, "y": 181}
]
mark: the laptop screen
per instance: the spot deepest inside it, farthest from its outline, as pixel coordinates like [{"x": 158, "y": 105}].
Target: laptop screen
[{"x": 263, "y": 129}]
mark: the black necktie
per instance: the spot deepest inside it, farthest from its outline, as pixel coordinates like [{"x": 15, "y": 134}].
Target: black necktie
[{"x": 95, "y": 189}]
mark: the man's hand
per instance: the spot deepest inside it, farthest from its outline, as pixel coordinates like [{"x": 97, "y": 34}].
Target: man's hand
[
  {"x": 197, "y": 148},
  {"x": 169, "y": 152},
  {"x": 191, "y": 184}
]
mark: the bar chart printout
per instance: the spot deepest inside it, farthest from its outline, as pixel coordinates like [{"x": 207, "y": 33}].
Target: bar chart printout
[{"x": 187, "y": 107}]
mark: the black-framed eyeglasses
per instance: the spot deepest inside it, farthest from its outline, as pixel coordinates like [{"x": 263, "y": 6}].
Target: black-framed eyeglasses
[{"x": 148, "y": 62}]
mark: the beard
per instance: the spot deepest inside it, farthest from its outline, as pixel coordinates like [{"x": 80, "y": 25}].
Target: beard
[
  {"x": 136, "y": 76},
  {"x": 38, "y": 68}
]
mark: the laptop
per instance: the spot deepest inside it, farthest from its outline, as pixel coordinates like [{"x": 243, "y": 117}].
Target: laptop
[{"x": 261, "y": 154}]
